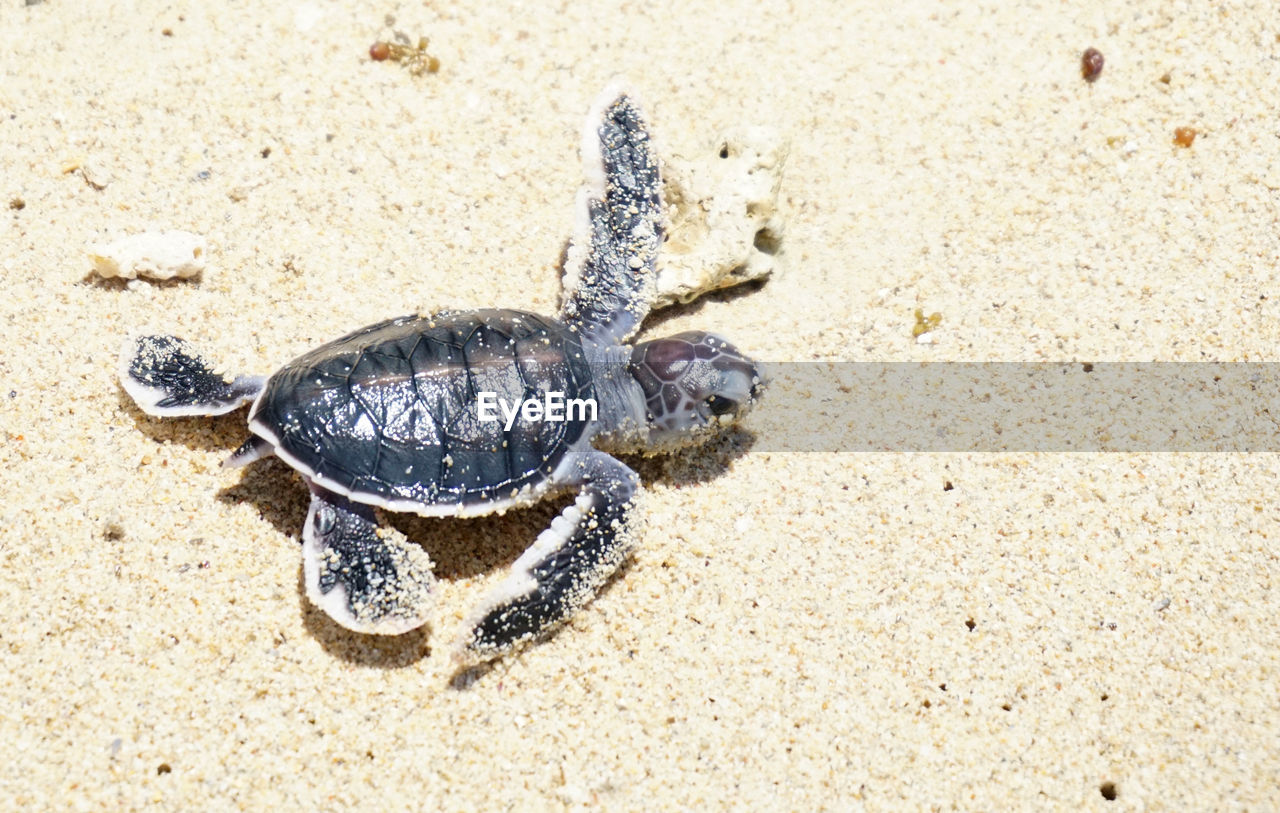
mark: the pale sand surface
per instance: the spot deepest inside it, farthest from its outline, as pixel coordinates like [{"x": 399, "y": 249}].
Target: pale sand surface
[{"x": 797, "y": 631}]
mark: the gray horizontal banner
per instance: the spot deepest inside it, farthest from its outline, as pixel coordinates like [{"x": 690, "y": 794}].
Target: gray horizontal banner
[{"x": 1019, "y": 407}]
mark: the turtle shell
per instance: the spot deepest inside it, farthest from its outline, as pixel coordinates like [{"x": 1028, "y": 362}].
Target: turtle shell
[{"x": 391, "y": 414}]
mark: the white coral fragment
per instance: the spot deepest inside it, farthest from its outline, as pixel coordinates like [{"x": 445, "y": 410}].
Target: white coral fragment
[
  {"x": 723, "y": 222},
  {"x": 158, "y": 255}
]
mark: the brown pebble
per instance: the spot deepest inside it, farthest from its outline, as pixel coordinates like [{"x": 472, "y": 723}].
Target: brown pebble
[
  {"x": 1184, "y": 136},
  {"x": 1091, "y": 63},
  {"x": 379, "y": 51}
]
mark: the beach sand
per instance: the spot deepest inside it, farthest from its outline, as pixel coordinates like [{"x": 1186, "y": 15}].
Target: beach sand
[{"x": 800, "y": 631}]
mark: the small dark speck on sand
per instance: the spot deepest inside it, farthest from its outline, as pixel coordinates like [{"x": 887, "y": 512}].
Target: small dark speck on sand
[{"x": 1091, "y": 62}]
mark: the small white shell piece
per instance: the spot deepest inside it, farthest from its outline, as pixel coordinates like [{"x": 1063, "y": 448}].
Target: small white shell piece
[
  {"x": 154, "y": 254},
  {"x": 724, "y": 223}
]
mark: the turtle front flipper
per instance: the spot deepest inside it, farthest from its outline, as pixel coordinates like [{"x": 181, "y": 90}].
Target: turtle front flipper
[
  {"x": 565, "y": 566},
  {"x": 609, "y": 272},
  {"x": 165, "y": 376},
  {"x": 364, "y": 580}
]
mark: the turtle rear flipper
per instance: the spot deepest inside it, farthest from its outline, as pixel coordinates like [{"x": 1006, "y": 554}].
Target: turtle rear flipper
[
  {"x": 363, "y": 579},
  {"x": 165, "y": 376},
  {"x": 609, "y": 272},
  {"x": 565, "y": 566}
]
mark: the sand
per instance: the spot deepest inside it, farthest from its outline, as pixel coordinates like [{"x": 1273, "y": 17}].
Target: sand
[{"x": 798, "y": 630}]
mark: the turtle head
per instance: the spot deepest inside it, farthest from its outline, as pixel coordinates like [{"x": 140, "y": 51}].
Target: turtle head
[{"x": 693, "y": 383}]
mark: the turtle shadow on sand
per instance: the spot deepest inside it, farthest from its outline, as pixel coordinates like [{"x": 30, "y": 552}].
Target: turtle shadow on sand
[
  {"x": 697, "y": 465},
  {"x": 460, "y": 548},
  {"x": 221, "y": 433},
  {"x": 654, "y": 324},
  {"x": 382, "y": 651}
]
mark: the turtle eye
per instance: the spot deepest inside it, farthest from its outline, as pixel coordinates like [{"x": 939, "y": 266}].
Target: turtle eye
[{"x": 720, "y": 405}]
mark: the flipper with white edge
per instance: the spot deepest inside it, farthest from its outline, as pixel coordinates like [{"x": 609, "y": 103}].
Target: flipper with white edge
[
  {"x": 610, "y": 275},
  {"x": 165, "y": 376},
  {"x": 565, "y": 566},
  {"x": 365, "y": 579}
]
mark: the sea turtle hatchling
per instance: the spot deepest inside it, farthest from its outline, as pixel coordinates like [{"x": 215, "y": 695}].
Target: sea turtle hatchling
[{"x": 455, "y": 414}]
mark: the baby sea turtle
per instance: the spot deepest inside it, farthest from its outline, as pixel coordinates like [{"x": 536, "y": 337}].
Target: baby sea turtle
[{"x": 464, "y": 413}]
